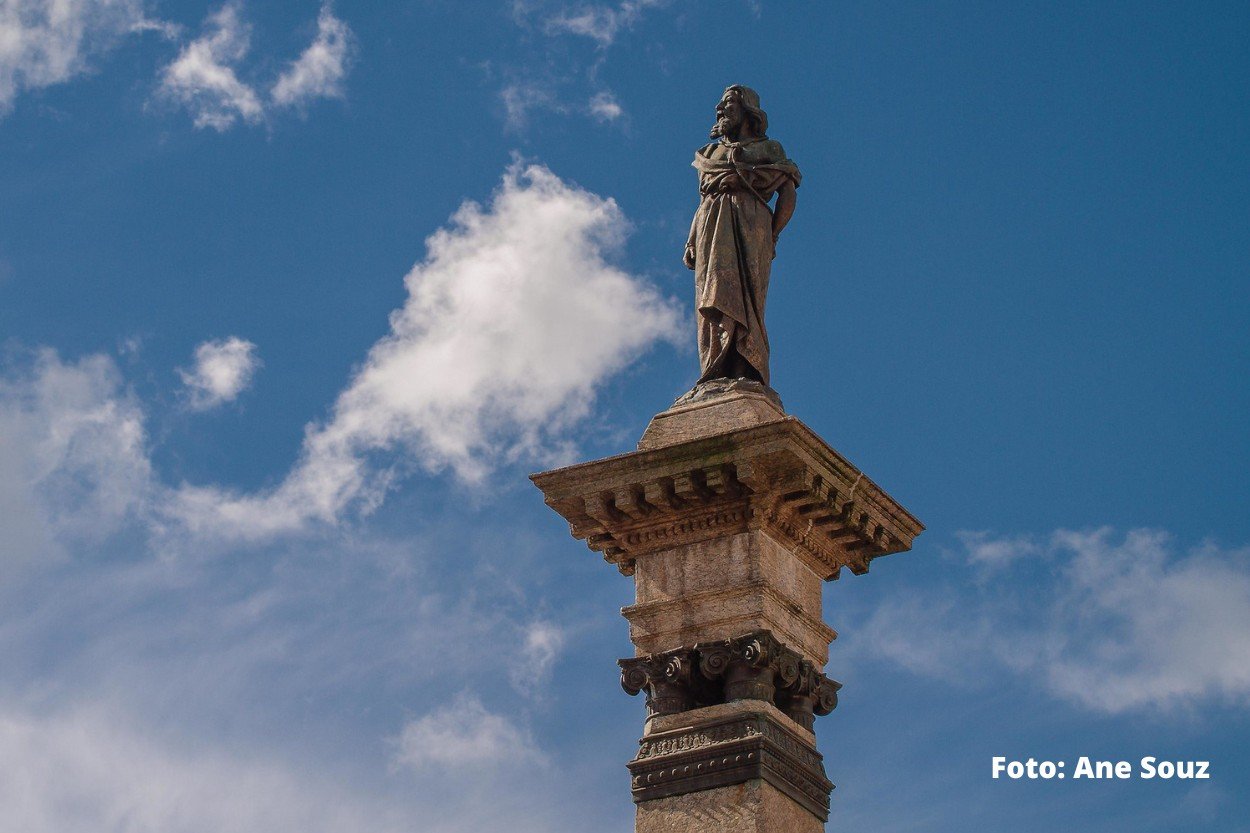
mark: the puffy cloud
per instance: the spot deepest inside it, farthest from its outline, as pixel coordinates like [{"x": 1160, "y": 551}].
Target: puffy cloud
[
  {"x": 73, "y": 456},
  {"x": 47, "y": 42},
  {"x": 512, "y": 320},
  {"x": 463, "y": 734},
  {"x": 1110, "y": 623},
  {"x": 605, "y": 107},
  {"x": 202, "y": 78},
  {"x": 223, "y": 369},
  {"x": 319, "y": 70}
]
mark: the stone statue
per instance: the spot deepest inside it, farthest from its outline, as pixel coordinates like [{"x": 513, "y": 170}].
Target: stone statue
[{"x": 733, "y": 237}]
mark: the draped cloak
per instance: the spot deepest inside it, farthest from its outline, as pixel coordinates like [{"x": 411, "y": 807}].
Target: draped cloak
[{"x": 732, "y": 236}]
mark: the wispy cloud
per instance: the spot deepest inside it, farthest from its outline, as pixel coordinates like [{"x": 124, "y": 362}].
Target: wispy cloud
[
  {"x": 987, "y": 550},
  {"x": 74, "y": 463},
  {"x": 142, "y": 688},
  {"x": 320, "y": 69},
  {"x": 90, "y": 769},
  {"x": 268, "y": 692},
  {"x": 223, "y": 369},
  {"x": 463, "y": 734},
  {"x": 47, "y": 42},
  {"x": 520, "y": 99},
  {"x": 204, "y": 78},
  {"x": 577, "y": 90},
  {"x": 532, "y": 664},
  {"x": 605, "y": 107},
  {"x": 1110, "y": 623},
  {"x": 600, "y": 22}
]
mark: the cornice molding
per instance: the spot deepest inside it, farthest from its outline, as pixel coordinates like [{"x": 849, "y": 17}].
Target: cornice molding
[{"x": 779, "y": 477}]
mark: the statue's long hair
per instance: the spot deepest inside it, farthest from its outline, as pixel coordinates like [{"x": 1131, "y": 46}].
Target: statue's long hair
[{"x": 751, "y": 103}]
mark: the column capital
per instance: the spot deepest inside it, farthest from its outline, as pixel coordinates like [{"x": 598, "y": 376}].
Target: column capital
[{"x": 753, "y": 666}]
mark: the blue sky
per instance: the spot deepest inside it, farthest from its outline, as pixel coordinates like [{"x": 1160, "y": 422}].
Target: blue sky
[{"x": 294, "y": 296}]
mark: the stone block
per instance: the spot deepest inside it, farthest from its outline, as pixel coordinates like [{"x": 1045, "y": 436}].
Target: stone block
[
  {"x": 749, "y": 807},
  {"x": 746, "y": 743},
  {"x": 720, "y": 588},
  {"x": 736, "y": 408}
]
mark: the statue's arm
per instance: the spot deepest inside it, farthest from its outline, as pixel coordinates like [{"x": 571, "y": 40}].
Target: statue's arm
[
  {"x": 786, "y": 198},
  {"x": 688, "y": 256}
]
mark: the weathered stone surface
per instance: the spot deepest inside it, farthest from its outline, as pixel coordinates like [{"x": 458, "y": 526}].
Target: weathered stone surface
[
  {"x": 733, "y": 236},
  {"x": 715, "y": 388},
  {"x": 729, "y": 517},
  {"x": 660, "y": 723},
  {"x": 754, "y": 666},
  {"x": 724, "y": 587},
  {"x": 713, "y": 408},
  {"x": 777, "y": 476},
  {"x": 718, "y": 746},
  {"x": 749, "y": 807}
]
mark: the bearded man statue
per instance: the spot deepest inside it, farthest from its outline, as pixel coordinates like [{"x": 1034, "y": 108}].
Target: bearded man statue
[{"x": 733, "y": 238}]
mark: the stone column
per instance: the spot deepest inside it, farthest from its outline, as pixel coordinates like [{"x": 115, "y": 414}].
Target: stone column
[{"x": 729, "y": 516}]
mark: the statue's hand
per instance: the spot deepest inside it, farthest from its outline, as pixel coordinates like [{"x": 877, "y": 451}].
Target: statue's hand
[{"x": 688, "y": 257}]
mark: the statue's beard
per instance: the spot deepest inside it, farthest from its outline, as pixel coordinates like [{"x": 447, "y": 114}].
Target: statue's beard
[{"x": 722, "y": 128}]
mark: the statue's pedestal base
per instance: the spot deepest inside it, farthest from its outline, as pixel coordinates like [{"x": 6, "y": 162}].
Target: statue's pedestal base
[
  {"x": 729, "y": 516},
  {"x": 713, "y": 408}
]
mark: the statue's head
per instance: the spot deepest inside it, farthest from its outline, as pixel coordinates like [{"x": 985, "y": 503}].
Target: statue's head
[{"x": 739, "y": 112}]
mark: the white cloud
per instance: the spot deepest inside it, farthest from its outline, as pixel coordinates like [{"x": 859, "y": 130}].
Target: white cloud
[
  {"x": 319, "y": 70},
  {"x": 223, "y": 369},
  {"x": 987, "y": 550},
  {"x": 463, "y": 734},
  {"x": 202, "y": 78},
  {"x": 532, "y": 664},
  {"x": 1110, "y": 624},
  {"x": 605, "y": 107},
  {"x": 1168, "y": 628},
  {"x": 599, "y": 22},
  {"x": 520, "y": 99},
  {"x": 88, "y": 770},
  {"x": 157, "y": 695},
  {"x": 73, "y": 456},
  {"x": 47, "y": 42},
  {"x": 512, "y": 320}
]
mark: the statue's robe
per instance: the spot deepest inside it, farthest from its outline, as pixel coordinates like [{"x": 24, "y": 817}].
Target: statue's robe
[{"x": 732, "y": 237}]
